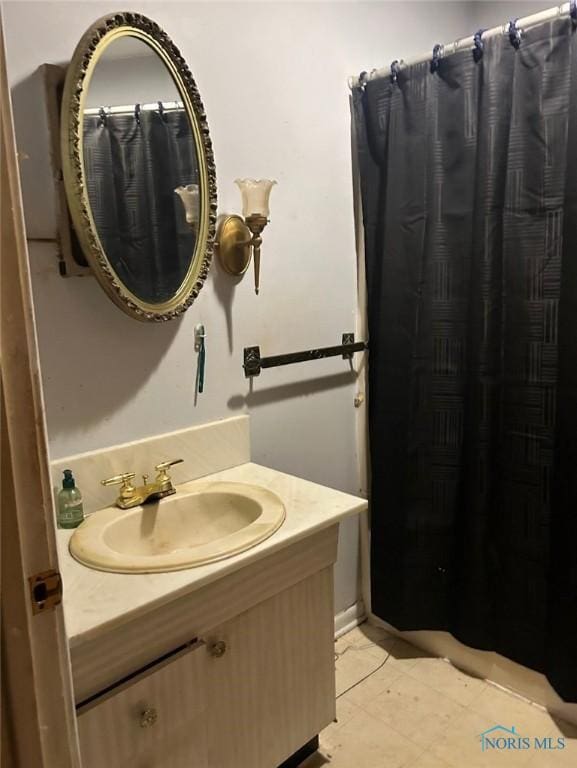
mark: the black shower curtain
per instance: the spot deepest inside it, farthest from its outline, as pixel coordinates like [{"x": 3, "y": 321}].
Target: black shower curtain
[
  {"x": 133, "y": 166},
  {"x": 469, "y": 190}
]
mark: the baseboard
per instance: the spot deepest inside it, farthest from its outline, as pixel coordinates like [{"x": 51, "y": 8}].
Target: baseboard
[{"x": 349, "y": 618}]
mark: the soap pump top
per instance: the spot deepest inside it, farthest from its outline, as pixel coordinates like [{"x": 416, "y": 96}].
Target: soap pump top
[{"x": 68, "y": 481}]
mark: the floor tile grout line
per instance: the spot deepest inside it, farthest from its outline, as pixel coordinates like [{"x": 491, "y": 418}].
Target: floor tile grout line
[
  {"x": 413, "y": 762},
  {"x": 367, "y": 677},
  {"x": 404, "y": 736},
  {"x": 420, "y": 746},
  {"x": 437, "y": 691},
  {"x": 392, "y": 728},
  {"x": 437, "y": 740}
]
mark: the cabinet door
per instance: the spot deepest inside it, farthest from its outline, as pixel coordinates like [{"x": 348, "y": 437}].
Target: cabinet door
[
  {"x": 270, "y": 677},
  {"x": 156, "y": 720}
]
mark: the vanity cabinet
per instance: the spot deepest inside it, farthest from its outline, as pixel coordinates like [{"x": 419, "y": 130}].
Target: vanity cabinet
[{"x": 248, "y": 692}]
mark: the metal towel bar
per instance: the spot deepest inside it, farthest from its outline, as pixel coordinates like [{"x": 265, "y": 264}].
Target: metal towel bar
[{"x": 254, "y": 363}]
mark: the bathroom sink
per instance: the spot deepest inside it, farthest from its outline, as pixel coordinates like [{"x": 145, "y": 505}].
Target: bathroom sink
[{"x": 201, "y": 523}]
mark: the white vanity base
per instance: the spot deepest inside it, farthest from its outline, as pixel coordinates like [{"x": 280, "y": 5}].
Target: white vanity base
[{"x": 237, "y": 673}]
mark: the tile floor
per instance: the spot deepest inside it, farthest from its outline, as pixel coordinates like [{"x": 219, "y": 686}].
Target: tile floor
[{"x": 415, "y": 711}]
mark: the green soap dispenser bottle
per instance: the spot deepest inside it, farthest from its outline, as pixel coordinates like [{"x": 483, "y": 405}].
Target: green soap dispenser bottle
[{"x": 70, "y": 512}]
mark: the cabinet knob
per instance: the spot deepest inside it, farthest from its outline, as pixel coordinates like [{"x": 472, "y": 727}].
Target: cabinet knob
[
  {"x": 218, "y": 649},
  {"x": 148, "y": 717}
]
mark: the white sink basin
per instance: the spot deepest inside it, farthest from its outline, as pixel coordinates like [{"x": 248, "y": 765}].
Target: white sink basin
[{"x": 197, "y": 525}]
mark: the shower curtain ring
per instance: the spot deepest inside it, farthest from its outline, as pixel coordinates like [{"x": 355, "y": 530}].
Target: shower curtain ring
[
  {"x": 137, "y": 113},
  {"x": 435, "y": 61},
  {"x": 395, "y": 69},
  {"x": 161, "y": 111},
  {"x": 102, "y": 116},
  {"x": 363, "y": 79},
  {"x": 479, "y": 45},
  {"x": 514, "y": 33}
]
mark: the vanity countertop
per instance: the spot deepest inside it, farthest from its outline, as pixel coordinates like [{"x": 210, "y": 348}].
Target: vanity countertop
[{"x": 96, "y": 600}]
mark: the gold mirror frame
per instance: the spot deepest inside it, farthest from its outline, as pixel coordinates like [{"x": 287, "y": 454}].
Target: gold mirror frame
[{"x": 88, "y": 51}]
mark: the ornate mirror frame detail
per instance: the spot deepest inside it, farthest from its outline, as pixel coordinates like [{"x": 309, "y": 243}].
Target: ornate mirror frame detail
[{"x": 86, "y": 55}]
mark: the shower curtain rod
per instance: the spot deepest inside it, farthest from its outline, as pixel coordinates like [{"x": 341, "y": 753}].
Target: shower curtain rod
[
  {"x": 128, "y": 109},
  {"x": 467, "y": 42}
]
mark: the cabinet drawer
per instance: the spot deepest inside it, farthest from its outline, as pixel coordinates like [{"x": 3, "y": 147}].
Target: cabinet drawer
[{"x": 155, "y": 720}]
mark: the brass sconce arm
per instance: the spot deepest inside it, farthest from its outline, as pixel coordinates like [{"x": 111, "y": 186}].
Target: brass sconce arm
[
  {"x": 256, "y": 224},
  {"x": 238, "y": 240}
]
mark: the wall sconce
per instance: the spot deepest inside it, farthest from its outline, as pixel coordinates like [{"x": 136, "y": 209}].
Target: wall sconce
[
  {"x": 237, "y": 236},
  {"x": 190, "y": 197}
]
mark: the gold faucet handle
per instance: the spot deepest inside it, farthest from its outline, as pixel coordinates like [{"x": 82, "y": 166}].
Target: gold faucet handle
[
  {"x": 117, "y": 479},
  {"x": 127, "y": 488},
  {"x": 163, "y": 478},
  {"x": 164, "y": 465}
]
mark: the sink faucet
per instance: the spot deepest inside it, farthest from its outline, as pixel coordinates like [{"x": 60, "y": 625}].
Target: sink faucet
[{"x": 133, "y": 496}]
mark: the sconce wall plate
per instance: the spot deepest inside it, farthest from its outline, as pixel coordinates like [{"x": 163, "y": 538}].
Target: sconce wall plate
[{"x": 233, "y": 245}]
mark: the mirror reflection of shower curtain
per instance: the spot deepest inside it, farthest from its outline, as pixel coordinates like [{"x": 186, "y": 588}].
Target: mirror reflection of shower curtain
[
  {"x": 469, "y": 186},
  {"x": 132, "y": 169}
]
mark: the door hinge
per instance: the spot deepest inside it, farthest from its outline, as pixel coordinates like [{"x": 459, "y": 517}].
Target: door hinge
[{"x": 45, "y": 590}]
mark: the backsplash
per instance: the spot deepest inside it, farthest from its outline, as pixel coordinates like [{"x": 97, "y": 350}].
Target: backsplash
[{"x": 204, "y": 449}]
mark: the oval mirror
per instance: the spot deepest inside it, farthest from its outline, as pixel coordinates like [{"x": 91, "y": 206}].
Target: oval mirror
[{"x": 138, "y": 167}]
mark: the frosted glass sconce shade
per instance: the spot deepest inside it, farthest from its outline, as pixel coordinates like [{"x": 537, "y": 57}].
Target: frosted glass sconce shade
[
  {"x": 255, "y": 196},
  {"x": 190, "y": 196}
]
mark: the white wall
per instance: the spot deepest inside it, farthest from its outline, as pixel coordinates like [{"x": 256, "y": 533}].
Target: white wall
[
  {"x": 493, "y": 13},
  {"x": 273, "y": 77}
]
